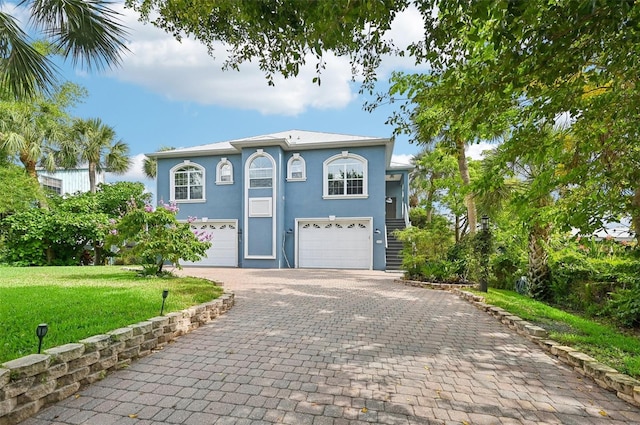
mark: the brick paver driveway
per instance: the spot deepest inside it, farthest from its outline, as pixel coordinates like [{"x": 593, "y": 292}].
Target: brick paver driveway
[{"x": 343, "y": 347}]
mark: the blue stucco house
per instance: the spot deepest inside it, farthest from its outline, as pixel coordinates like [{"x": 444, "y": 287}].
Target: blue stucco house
[{"x": 290, "y": 199}]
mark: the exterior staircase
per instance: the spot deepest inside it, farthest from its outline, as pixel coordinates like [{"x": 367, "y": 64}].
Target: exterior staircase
[{"x": 394, "y": 259}]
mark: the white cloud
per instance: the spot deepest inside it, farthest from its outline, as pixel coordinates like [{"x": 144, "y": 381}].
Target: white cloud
[
  {"x": 476, "y": 150},
  {"x": 401, "y": 159},
  {"x": 184, "y": 71},
  {"x": 406, "y": 28}
]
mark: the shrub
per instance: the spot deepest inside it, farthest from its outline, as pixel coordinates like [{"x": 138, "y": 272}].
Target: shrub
[
  {"x": 624, "y": 305},
  {"x": 155, "y": 237},
  {"x": 423, "y": 246}
]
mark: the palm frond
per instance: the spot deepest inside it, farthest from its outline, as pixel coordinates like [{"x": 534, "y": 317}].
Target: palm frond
[
  {"x": 23, "y": 70},
  {"x": 87, "y": 31}
]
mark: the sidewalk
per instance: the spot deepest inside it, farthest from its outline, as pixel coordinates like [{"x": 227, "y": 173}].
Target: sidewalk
[{"x": 342, "y": 347}]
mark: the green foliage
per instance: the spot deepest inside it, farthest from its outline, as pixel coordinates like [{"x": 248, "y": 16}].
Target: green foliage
[
  {"x": 624, "y": 305},
  {"x": 418, "y": 217},
  {"x": 86, "y": 32},
  {"x": 601, "y": 341},
  {"x": 24, "y": 193},
  {"x": 79, "y": 302},
  {"x": 113, "y": 197},
  {"x": 95, "y": 144},
  {"x": 425, "y": 246},
  {"x": 48, "y": 237},
  {"x": 70, "y": 228},
  {"x": 596, "y": 277},
  {"x": 155, "y": 236}
]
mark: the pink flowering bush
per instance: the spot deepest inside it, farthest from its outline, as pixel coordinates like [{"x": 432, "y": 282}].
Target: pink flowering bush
[{"x": 156, "y": 237}]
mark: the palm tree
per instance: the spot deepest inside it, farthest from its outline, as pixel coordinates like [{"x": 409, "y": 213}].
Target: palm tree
[
  {"x": 150, "y": 165},
  {"x": 88, "y": 32},
  {"x": 96, "y": 146},
  {"x": 523, "y": 180},
  {"x": 33, "y": 132}
]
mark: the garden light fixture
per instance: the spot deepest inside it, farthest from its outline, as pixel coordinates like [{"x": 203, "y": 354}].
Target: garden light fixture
[
  {"x": 165, "y": 294},
  {"x": 41, "y": 331},
  {"x": 484, "y": 223}
]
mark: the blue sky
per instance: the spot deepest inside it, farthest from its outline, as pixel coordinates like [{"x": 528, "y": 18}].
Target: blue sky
[{"x": 167, "y": 93}]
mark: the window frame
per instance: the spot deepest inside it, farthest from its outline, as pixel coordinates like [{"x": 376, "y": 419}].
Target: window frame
[
  {"x": 290, "y": 177},
  {"x": 176, "y": 169},
  {"x": 365, "y": 177},
  {"x": 224, "y": 162},
  {"x": 249, "y": 169}
]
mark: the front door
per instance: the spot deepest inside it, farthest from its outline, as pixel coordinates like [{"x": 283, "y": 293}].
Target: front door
[{"x": 391, "y": 207}]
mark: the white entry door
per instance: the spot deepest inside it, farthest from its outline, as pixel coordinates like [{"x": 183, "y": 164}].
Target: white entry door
[
  {"x": 337, "y": 244},
  {"x": 224, "y": 243}
]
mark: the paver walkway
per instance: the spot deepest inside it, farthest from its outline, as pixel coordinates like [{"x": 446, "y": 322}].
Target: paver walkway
[{"x": 343, "y": 347}]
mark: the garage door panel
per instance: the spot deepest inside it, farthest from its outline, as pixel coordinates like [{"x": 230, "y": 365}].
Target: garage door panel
[
  {"x": 338, "y": 244},
  {"x": 224, "y": 244}
]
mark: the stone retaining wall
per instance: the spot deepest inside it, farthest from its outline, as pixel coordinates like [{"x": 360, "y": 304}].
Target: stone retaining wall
[{"x": 29, "y": 383}]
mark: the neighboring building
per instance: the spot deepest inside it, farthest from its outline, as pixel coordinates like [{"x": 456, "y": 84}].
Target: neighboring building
[
  {"x": 67, "y": 182},
  {"x": 290, "y": 199}
]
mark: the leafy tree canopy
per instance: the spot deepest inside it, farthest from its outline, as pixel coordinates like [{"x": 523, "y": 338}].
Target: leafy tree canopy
[{"x": 24, "y": 191}]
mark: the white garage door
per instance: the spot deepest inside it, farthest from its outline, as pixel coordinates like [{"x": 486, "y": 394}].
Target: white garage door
[
  {"x": 337, "y": 244},
  {"x": 224, "y": 243}
]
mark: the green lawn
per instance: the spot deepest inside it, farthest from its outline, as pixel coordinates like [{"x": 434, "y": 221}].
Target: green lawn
[
  {"x": 78, "y": 302},
  {"x": 605, "y": 343}
]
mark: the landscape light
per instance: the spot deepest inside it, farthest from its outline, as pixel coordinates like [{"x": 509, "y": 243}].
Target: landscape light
[
  {"x": 41, "y": 331},
  {"x": 165, "y": 294}
]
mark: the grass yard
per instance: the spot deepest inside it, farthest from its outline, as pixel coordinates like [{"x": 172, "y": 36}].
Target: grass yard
[
  {"x": 78, "y": 302},
  {"x": 603, "y": 342}
]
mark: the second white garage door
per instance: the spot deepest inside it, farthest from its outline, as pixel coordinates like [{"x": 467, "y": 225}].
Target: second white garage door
[
  {"x": 224, "y": 243},
  {"x": 337, "y": 244}
]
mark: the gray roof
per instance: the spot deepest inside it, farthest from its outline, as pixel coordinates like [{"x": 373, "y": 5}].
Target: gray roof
[{"x": 288, "y": 140}]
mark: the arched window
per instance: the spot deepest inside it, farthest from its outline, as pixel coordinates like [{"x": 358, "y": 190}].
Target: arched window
[
  {"x": 224, "y": 172},
  {"x": 296, "y": 168},
  {"x": 260, "y": 172},
  {"x": 187, "y": 182},
  {"x": 345, "y": 176}
]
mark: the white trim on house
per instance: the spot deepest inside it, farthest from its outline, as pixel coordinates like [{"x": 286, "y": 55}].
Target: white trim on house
[
  {"x": 222, "y": 163},
  {"x": 260, "y": 207},
  {"x": 290, "y": 140},
  {"x": 172, "y": 185},
  {"x": 274, "y": 186},
  {"x": 340, "y": 221},
  {"x": 290, "y": 177},
  {"x": 365, "y": 176}
]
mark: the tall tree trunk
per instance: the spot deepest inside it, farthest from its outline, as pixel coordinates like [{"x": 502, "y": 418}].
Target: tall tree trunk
[
  {"x": 538, "y": 274},
  {"x": 30, "y": 168},
  {"x": 29, "y": 165},
  {"x": 635, "y": 213},
  {"x": 470, "y": 203},
  {"x": 97, "y": 254},
  {"x": 429, "y": 199},
  {"x": 92, "y": 176}
]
